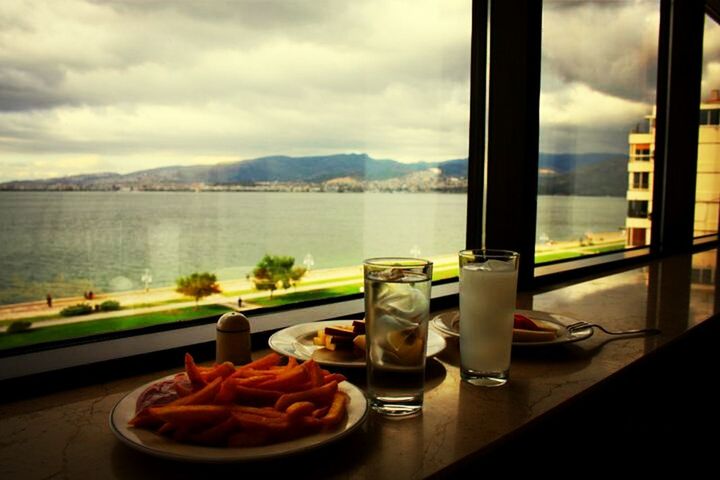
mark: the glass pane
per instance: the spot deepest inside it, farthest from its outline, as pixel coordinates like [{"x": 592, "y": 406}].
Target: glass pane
[
  {"x": 707, "y": 186},
  {"x": 598, "y": 77},
  {"x": 133, "y": 156}
]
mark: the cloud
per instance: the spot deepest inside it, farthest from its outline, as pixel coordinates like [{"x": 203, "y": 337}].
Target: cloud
[
  {"x": 711, "y": 58},
  {"x": 136, "y": 83},
  {"x": 599, "y": 73},
  {"x": 155, "y": 81},
  {"x": 609, "y": 46}
]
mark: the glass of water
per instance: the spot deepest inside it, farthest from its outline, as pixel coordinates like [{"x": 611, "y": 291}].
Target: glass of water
[
  {"x": 397, "y": 309},
  {"x": 488, "y": 286}
]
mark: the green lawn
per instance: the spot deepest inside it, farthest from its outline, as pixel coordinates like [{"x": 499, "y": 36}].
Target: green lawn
[
  {"x": 579, "y": 252},
  {"x": 93, "y": 327},
  {"x": 41, "y": 334},
  {"x": 295, "y": 297}
]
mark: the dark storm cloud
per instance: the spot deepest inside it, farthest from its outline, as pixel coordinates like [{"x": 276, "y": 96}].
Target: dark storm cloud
[
  {"x": 30, "y": 88},
  {"x": 609, "y": 46}
]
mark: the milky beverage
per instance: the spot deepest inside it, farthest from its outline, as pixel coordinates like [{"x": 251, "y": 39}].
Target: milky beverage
[
  {"x": 397, "y": 312},
  {"x": 487, "y": 305}
]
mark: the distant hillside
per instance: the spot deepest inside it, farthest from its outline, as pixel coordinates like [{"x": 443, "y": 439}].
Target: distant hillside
[
  {"x": 560, "y": 174},
  {"x": 282, "y": 169},
  {"x": 454, "y": 168},
  {"x": 602, "y": 178},
  {"x": 312, "y": 169}
]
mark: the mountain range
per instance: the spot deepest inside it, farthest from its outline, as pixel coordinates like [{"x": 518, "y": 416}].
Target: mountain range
[{"x": 564, "y": 174}]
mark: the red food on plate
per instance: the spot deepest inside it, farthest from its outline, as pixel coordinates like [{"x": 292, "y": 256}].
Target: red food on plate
[{"x": 526, "y": 329}]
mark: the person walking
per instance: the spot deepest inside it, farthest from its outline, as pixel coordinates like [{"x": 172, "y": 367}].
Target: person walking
[{"x": 48, "y": 299}]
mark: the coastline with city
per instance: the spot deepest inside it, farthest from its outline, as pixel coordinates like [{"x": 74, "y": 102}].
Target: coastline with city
[{"x": 127, "y": 239}]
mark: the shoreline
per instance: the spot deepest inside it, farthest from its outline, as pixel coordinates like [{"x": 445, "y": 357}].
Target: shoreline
[
  {"x": 166, "y": 298},
  {"x": 159, "y": 298}
]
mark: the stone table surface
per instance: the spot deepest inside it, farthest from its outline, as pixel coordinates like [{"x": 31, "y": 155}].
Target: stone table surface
[{"x": 66, "y": 434}]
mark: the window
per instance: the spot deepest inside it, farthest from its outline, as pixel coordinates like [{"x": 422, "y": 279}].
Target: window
[
  {"x": 710, "y": 116},
  {"x": 640, "y": 180},
  {"x": 641, "y": 152},
  {"x": 707, "y": 182},
  {"x": 599, "y": 63},
  {"x": 587, "y": 84},
  {"x": 637, "y": 209},
  {"x": 134, "y": 155}
]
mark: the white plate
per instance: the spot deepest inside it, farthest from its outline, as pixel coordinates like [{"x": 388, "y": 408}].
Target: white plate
[
  {"x": 159, "y": 446},
  {"x": 448, "y": 324},
  {"x": 296, "y": 341}
]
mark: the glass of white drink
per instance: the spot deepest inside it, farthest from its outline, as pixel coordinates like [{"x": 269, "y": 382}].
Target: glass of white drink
[
  {"x": 397, "y": 310},
  {"x": 488, "y": 286}
]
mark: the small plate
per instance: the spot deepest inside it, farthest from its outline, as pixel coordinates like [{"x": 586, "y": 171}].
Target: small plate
[
  {"x": 448, "y": 323},
  {"x": 296, "y": 341},
  {"x": 159, "y": 446}
]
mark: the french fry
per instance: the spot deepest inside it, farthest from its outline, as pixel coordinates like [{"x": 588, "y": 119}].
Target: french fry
[
  {"x": 252, "y": 422},
  {"x": 204, "y": 395},
  {"x": 319, "y": 396},
  {"x": 217, "y": 434},
  {"x": 259, "y": 396},
  {"x": 289, "y": 381},
  {"x": 334, "y": 377},
  {"x": 193, "y": 372},
  {"x": 254, "y": 372},
  {"x": 253, "y": 381},
  {"x": 262, "y": 363},
  {"x": 223, "y": 370},
  {"x": 337, "y": 410},
  {"x": 226, "y": 394},
  {"x": 299, "y": 409},
  {"x": 256, "y": 404},
  {"x": 313, "y": 371},
  {"x": 190, "y": 416},
  {"x": 260, "y": 411},
  {"x": 321, "y": 412}
]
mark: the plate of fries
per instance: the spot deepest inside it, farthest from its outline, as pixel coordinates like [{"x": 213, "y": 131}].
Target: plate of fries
[
  {"x": 224, "y": 413},
  {"x": 301, "y": 342}
]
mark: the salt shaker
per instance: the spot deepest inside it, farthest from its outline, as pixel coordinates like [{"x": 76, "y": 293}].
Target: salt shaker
[{"x": 233, "y": 339}]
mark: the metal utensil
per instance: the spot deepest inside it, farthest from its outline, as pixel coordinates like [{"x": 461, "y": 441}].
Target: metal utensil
[{"x": 574, "y": 327}]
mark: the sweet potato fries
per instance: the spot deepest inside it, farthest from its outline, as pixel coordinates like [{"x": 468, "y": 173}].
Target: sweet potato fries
[{"x": 256, "y": 404}]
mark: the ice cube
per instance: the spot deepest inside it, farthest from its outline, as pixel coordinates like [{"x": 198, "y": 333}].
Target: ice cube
[
  {"x": 403, "y": 301},
  {"x": 391, "y": 322},
  {"x": 491, "y": 265}
]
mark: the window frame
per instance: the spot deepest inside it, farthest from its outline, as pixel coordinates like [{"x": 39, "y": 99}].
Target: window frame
[
  {"x": 502, "y": 147},
  {"x": 514, "y": 83}
]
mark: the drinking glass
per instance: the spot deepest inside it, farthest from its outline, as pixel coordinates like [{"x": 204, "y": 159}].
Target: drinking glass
[
  {"x": 488, "y": 286},
  {"x": 397, "y": 309}
]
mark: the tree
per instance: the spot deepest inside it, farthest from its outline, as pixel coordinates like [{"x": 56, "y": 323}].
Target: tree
[
  {"x": 198, "y": 285},
  {"x": 273, "y": 271}
]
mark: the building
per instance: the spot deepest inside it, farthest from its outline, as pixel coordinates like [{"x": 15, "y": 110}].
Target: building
[{"x": 641, "y": 156}]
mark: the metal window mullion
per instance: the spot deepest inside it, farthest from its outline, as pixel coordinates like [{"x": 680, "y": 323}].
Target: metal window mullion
[
  {"x": 676, "y": 138},
  {"x": 476, "y": 134},
  {"x": 513, "y": 130}
]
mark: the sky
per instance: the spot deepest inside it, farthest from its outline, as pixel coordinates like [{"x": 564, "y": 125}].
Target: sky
[{"x": 124, "y": 85}]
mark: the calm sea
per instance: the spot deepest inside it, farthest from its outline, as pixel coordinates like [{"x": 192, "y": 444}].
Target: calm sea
[{"x": 105, "y": 241}]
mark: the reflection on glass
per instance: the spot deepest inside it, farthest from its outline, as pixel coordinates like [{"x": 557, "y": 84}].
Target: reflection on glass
[
  {"x": 707, "y": 186},
  {"x": 269, "y": 145},
  {"x": 598, "y": 77}
]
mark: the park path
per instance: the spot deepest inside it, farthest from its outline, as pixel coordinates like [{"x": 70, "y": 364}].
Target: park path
[{"x": 162, "y": 299}]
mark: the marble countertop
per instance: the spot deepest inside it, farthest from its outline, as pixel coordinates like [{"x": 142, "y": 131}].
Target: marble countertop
[{"x": 66, "y": 434}]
